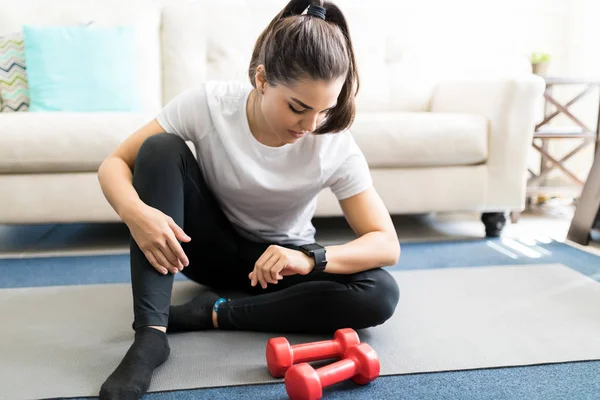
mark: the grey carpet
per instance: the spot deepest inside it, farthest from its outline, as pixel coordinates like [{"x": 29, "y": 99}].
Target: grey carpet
[{"x": 64, "y": 341}]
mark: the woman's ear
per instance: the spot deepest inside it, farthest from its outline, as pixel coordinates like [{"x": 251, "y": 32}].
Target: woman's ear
[{"x": 261, "y": 82}]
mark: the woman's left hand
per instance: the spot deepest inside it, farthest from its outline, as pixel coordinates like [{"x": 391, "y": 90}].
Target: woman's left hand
[{"x": 277, "y": 262}]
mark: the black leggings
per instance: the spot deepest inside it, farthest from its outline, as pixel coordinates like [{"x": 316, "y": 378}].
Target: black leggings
[{"x": 168, "y": 177}]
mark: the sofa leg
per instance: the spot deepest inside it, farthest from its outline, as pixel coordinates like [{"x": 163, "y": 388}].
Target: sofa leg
[
  {"x": 514, "y": 216},
  {"x": 494, "y": 223}
]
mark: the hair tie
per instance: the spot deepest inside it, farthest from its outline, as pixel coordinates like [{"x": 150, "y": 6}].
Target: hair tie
[{"x": 316, "y": 11}]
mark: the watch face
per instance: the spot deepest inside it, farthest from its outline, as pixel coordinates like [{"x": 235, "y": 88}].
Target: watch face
[{"x": 312, "y": 247}]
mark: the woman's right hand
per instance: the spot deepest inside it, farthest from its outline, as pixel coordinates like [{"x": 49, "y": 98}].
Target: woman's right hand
[{"x": 157, "y": 235}]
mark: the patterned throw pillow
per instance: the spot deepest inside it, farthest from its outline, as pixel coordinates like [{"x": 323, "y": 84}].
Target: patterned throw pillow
[{"x": 14, "y": 90}]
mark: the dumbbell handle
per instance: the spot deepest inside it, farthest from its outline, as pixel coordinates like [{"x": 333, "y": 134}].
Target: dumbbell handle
[
  {"x": 324, "y": 349},
  {"x": 337, "y": 372}
]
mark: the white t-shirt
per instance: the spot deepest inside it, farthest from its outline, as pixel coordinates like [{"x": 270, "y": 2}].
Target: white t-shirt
[{"x": 268, "y": 193}]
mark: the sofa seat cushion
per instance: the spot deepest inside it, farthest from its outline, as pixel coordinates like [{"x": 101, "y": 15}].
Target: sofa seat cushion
[
  {"x": 61, "y": 141},
  {"x": 421, "y": 139},
  {"x": 79, "y": 142}
]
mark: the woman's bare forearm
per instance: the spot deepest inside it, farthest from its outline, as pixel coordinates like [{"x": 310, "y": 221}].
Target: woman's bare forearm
[{"x": 115, "y": 179}]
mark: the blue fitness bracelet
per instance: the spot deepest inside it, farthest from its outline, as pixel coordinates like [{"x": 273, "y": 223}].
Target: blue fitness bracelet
[{"x": 216, "y": 307}]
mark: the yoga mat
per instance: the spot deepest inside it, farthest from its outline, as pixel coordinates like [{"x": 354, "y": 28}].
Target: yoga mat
[{"x": 64, "y": 341}]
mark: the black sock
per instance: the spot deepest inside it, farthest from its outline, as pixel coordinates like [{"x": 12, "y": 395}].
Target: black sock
[
  {"x": 131, "y": 378},
  {"x": 193, "y": 316}
]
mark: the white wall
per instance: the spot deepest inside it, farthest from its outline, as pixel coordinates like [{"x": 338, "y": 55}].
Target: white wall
[
  {"x": 567, "y": 29},
  {"x": 580, "y": 57},
  {"x": 485, "y": 25}
]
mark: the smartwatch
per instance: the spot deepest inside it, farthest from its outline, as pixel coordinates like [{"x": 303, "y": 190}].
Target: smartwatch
[{"x": 317, "y": 252}]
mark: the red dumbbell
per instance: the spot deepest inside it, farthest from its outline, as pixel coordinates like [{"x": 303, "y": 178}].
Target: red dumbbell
[
  {"x": 281, "y": 356},
  {"x": 303, "y": 382}
]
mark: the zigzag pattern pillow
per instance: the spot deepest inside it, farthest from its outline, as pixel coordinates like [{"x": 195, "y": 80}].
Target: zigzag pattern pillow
[{"x": 14, "y": 90}]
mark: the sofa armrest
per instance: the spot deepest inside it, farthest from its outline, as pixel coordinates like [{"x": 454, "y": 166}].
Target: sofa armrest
[{"x": 509, "y": 105}]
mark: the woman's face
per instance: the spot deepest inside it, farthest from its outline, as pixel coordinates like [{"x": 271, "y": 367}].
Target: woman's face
[{"x": 291, "y": 112}]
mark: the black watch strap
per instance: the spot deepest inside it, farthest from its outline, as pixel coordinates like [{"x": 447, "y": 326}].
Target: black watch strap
[
  {"x": 318, "y": 253},
  {"x": 320, "y": 261}
]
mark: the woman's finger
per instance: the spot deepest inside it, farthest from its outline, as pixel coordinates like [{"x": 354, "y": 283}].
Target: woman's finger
[
  {"x": 271, "y": 270},
  {"x": 262, "y": 272},
  {"x": 160, "y": 257},
  {"x": 259, "y": 278},
  {"x": 170, "y": 257},
  {"x": 177, "y": 251},
  {"x": 258, "y": 267},
  {"x": 152, "y": 260},
  {"x": 267, "y": 267},
  {"x": 264, "y": 256},
  {"x": 277, "y": 268},
  {"x": 164, "y": 248},
  {"x": 253, "y": 278}
]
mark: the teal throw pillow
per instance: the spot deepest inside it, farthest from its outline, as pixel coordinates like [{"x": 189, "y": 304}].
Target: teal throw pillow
[{"x": 81, "y": 68}]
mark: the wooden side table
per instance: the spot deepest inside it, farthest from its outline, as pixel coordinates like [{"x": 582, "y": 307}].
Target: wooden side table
[
  {"x": 543, "y": 133},
  {"x": 587, "y": 213}
]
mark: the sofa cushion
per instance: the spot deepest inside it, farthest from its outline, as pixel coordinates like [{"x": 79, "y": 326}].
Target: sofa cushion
[
  {"x": 62, "y": 142},
  {"x": 421, "y": 139},
  {"x": 78, "y": 142}
]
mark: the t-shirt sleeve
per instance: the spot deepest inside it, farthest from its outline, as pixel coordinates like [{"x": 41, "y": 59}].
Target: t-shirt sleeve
[
  {"x": 187, "y": 115},
  {"x": 349, "y": 173}
]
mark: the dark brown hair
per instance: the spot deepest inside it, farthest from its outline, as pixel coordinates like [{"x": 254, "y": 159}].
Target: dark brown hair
[{"x": 297, "y": 46}]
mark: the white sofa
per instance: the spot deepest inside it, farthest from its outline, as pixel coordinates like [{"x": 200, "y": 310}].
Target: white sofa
[{"x": 449, "y": 135}]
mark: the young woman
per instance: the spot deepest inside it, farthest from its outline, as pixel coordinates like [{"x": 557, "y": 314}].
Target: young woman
[{"x": 238, "y": 216}]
